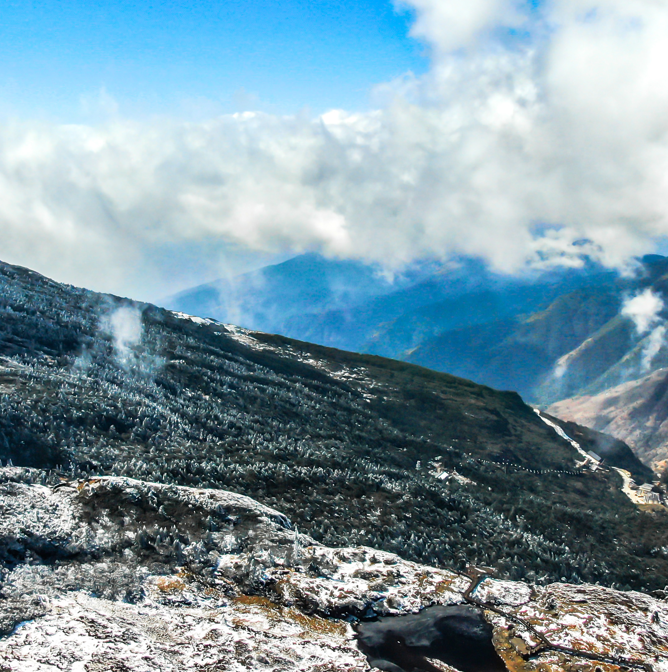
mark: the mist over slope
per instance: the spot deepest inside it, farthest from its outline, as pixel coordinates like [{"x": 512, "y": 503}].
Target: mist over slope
[
  {"x": 356, "y": 449},
  {"x": 269, "y": 298}
]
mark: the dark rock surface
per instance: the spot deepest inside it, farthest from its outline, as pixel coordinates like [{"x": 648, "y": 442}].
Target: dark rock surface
[{"x": 458, "y": 636}]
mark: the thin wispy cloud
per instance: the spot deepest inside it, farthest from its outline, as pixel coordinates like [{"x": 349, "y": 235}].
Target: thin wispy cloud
[
  {"x": 538, "y": 135},
  {"x": 644, "y": 309}
]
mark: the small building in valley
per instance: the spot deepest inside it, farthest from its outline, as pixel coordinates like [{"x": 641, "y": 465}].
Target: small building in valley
[{"x": 646, "y": 490}]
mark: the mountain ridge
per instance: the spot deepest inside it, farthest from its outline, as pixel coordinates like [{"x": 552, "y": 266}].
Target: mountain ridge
[
  {"x": 551, "y": 336},
  {"x": 355, "y": 448},
  {"x": 524, "y": 325}
]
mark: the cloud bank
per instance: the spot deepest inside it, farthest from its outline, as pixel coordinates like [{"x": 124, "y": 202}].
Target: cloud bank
[{"x": 540, "y": 134}]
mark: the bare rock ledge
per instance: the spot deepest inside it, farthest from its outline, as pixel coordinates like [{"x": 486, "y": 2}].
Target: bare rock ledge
[{"x": 115, "y": 574}]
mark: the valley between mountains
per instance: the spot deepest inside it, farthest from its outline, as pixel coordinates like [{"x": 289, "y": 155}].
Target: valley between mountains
[{"x": 128, "y": 420}]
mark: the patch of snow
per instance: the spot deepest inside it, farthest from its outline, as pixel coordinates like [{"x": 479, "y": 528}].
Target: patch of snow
[
  {"x": 454, "y": 474},
  {"x": 193, "y": 318},
  {"x": 560, "y": 432},
  {"x": 83, "y": 633},
  {"x": 495, "y": 591}
]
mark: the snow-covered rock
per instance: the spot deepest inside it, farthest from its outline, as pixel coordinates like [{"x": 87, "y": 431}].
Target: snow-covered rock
[{"x": 119, "y": 574}]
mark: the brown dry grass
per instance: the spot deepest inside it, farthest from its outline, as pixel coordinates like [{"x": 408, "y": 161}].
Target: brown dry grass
[{"x": 312, "y": 625}]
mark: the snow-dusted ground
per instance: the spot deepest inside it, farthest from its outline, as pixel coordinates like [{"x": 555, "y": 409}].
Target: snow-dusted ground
[
  {"x": 193, "y": 318},
  {"x": 119, "y": 574},
  {"x": 595, "y": 619},
  {"x": 83, "y": 634},
  {"x": 588, "y": 458},
  {"x": 245, "y": 336}
]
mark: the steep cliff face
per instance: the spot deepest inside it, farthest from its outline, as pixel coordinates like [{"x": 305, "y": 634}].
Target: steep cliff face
[{"x": 120, "y": 574}]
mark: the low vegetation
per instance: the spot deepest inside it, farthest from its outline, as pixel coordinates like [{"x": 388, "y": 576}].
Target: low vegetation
[{"x": 350, "y": 447}]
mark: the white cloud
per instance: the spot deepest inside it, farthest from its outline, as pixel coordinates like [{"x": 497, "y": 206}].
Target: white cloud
[
  {"x": 515, "y": 151},
  {"x": 450, "y": 25},
  {"x": 655, "y": 342},
  {"x": 644, "y": 309}
]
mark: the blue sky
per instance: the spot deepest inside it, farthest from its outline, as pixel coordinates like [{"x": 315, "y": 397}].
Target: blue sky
[
  {"x": 122, "y": 169},
  {"x": 198, "y": 58}
]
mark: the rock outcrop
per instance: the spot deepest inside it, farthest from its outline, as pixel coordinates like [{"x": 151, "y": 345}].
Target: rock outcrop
[{"x": 118, "y": 574}]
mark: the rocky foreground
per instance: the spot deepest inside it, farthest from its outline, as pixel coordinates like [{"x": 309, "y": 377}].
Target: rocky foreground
[{"x": 119, "y": 574}]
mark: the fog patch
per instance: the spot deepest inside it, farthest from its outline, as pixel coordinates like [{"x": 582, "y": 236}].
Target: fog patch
[
  {"x": 655, "y": 342},
  {"x": 241, "y": 300},
  {"x": 644, "y": 309},
  {"x": 132, "y": 350},
  {"x": 560, "y": 368},
  {"x": 125, "y": 327}
]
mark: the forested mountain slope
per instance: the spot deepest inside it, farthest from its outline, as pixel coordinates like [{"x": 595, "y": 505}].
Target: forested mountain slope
[
  {"x": 548, "y": 335},
  {"x": 355, "y": 449},
  {"x": 520, "y": 352}
]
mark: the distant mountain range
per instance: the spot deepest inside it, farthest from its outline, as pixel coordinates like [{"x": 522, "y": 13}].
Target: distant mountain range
[
  {"x": 275, "y": 298},
  {"x": 550, "y": 336},
  {"x": 355, "y": 449}
]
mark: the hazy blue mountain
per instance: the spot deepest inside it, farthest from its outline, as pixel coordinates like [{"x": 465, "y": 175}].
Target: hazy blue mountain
[
  {"x": 353, "y": 305},
  {"x": 267, "y": 299},
  {"x": 520, "y": 351},
  {"x": 355, "y": 327}
]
